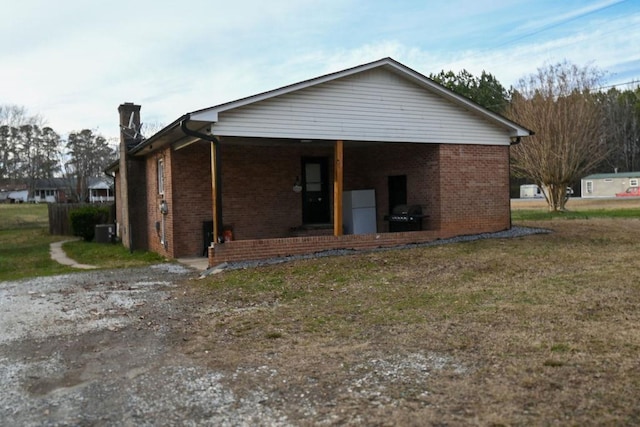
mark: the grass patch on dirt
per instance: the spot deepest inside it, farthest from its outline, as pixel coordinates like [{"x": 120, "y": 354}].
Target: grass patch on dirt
[
  {"x": 109, "y": 255},
  {"x": 541, "y": 215},
  {"x": 25, "y": 253},
  {"x": 25, "y": 246},
  {"x": 543, "y": 329}
]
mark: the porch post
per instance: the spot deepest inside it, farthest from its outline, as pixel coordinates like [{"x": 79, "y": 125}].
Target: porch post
[
  {"x": 214, "y": 192},
  {"x": 338, "y": 174}
]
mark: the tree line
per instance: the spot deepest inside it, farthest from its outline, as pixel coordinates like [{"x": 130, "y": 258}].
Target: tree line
[
  {"x": 31, "y": 151},
  {"x": 578, "y": 127}
]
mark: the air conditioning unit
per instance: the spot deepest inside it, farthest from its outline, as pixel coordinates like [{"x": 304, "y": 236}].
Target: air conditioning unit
[{"x": 105, "y": 233}]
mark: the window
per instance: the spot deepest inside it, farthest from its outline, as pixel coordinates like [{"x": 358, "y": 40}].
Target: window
[
  {"x": 160, "y": 176},
  {"x": 633, "y": 182},
  {"x": 589, "y": 186}
]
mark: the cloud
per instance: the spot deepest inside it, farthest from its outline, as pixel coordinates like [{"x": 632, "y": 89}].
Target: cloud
[{"x": 76, "y": 62}]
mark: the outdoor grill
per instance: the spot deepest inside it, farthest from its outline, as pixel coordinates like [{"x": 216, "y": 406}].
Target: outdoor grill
[{"x": 405, "y": 218}]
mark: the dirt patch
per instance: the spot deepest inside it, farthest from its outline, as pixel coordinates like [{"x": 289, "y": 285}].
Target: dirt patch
[{"x": 103, "y": 348}]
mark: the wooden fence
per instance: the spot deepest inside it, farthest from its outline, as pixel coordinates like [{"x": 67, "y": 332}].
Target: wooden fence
[{"x": 59, "y": 223}]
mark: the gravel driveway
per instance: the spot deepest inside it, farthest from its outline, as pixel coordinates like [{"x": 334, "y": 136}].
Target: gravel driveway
[{"x": 100, "y": 348}]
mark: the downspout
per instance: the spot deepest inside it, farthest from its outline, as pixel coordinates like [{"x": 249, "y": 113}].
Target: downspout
[{"x": 217, "y": 224}]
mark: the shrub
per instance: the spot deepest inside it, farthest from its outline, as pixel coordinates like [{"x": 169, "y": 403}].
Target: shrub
[{"x": 84, "y": 220}]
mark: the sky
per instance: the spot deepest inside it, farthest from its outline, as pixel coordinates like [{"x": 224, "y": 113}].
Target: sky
[{"x": 73, "y": 62}]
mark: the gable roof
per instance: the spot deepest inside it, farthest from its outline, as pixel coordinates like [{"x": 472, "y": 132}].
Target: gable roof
[
  {"x": 99, "y": 183},
  {"x": 284, "y": 103},
  {"x": 211, "y": 114},
  {"x": 51, "y": 183}
]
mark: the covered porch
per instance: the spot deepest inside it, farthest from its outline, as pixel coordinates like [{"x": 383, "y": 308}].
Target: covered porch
[{"x": 281, "y": 197}]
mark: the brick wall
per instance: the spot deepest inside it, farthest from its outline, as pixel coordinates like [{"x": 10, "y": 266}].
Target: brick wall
[
  {"x": 192, "y": 197},
  {"x": 463, "y": 189},
  {"x": 271, "y": 248},
  {"x": 257, "y": 185},
  {"x": 155, "y": 217},
  {"x": 370, "y": 167},
  {"x": 474, "y": 188}
]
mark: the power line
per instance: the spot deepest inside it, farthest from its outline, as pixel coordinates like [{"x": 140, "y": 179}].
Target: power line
[{"x": 635, "y": 81}]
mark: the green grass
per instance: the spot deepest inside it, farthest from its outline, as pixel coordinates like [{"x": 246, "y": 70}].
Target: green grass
[
  {"x": 24, "y": 252},
  {"x": 109, "y": 255},
  {"x": 23, "y": 215},
  {"x": 544, "y": 215},
  {"x": 25, "y": 244}
]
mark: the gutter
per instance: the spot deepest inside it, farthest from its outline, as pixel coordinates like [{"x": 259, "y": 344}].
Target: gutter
[{"x": 218, "y": 173}]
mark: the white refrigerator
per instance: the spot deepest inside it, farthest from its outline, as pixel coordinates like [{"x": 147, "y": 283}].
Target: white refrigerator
[{"x": 359, "y": 212}]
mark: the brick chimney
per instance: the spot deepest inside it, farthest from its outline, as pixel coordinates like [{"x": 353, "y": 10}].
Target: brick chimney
[
  {"x": 131, "y": 179},
  {"x": 130, "y": 124}
]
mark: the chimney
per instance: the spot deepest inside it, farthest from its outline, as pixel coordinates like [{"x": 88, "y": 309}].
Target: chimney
[
  {"x": 129, "y": 134},
  {"x": 129, "y": 125}
]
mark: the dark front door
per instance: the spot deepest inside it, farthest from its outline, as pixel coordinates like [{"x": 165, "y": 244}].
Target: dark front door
[{"x": 315, "y": 191}]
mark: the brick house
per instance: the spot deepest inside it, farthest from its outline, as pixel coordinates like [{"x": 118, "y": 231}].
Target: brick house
[{"x": 266, "y": 175}]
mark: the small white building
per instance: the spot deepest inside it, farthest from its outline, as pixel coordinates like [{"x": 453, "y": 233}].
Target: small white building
[{"x": 608, "y": 184}]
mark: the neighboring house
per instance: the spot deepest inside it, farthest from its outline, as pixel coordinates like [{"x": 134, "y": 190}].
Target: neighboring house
[
  {"x": 52, "y": 190},
  {"x": 100, "y": 190},
  {"x": 18, "y": 196},
  {"x": 13, "y": 193},
  {"x": 608, "y": 184},
  {"x": 265, "y": 176},
  {"x": 63, "y": 190}
]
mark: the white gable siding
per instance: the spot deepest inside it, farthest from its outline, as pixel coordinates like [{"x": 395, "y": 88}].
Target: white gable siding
[{"x": 375, "y": 105}]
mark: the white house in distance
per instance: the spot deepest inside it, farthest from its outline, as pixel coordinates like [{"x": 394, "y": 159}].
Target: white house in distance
[
  {"x": 608, "y": 184},
  {"x": 100, "y": 190}
]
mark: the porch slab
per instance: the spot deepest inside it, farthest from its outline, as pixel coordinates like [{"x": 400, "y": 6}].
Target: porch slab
[{"x": 196, "y": 263}]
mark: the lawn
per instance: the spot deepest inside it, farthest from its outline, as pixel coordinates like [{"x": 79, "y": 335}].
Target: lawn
[
  {"x": 538, "y": 330},
  {"x": 25, "y": 241}
]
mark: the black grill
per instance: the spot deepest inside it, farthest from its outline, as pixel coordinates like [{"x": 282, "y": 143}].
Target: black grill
[{"x": 405, "y": 218}]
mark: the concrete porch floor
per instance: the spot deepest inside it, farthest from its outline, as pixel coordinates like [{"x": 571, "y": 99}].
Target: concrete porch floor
[{"x": 197, "y": 263}]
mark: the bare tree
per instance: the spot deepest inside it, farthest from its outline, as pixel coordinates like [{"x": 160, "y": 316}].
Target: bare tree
[
  {"x": 16, "y": 116},
  {"x": 17, "y": 133},
  {"x": 557, "y": 103}
]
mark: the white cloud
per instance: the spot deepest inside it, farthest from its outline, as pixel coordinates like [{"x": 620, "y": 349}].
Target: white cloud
[{"x": 74, "y": 62}]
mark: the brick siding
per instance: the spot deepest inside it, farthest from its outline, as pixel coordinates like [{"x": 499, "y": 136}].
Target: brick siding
[
  {"x": 463, "y": 189},
  {"x": 270, "y": 248}
]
